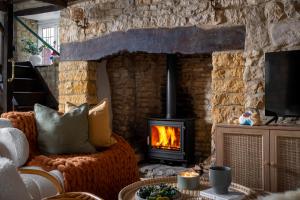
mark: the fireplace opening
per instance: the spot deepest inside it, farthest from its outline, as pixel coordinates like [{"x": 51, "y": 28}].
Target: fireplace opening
[
  {"x": 138, "y": 85},
  {"x": 165, "y": 137}
]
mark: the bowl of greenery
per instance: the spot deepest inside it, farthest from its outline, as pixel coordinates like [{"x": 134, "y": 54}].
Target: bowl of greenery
[
  {"x": 34, "y": 50},
  {"x": 158, "y": 192}
]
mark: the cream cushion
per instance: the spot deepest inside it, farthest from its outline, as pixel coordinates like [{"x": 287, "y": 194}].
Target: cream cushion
[
  {"x": 100, "y": 130},
  {"x": 14, "y": 145}
]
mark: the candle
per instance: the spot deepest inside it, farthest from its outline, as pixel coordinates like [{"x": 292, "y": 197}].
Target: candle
[{"x": 188, "y": 180}]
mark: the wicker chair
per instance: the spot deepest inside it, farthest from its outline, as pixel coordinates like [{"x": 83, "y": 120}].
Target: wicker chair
[{"x": 74, "y": 195}]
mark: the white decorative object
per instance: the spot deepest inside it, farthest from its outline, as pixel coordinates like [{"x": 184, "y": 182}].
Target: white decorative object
[
  {"x": 47, "y": 53},
  {"x": 14, "y": 145},
  {"x": 210, "y": 194},
  {"x": 35, "y": 60}
]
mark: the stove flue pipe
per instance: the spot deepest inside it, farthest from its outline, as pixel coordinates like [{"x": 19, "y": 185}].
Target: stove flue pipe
[{"x": 171, "y": 85}]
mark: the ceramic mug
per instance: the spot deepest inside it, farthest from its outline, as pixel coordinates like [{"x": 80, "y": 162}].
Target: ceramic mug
[{"x": 220, "y": 178}]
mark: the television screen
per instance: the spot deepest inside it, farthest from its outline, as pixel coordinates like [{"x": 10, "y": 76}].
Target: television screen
[{"x": 282, "y": 83}]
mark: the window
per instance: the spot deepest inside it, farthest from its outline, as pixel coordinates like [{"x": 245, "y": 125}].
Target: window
[{"x": 49, "y": 31}]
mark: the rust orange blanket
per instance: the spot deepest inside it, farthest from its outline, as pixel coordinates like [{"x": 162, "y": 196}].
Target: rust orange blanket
[{"x": 104, "y": 173}]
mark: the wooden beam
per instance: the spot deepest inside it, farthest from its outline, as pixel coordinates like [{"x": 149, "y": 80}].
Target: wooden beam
[
  {"x": 38, "y": 10},
  {"x": 8, "y": 53},
  {"x": 72, "y": 2},
  {"x": 60, "y": 3},
  {"x": 184, "y": 40}
]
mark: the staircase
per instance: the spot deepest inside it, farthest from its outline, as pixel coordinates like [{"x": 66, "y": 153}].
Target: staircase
[{"x": 29, "y": 87}]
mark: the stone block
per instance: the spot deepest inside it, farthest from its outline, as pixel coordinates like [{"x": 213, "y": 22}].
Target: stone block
[
  {"x": 227, "y": 99},
  {"x": 229, "y": 85},
  {"x": 274, "y": 11},
  {"x": 255, "y": 101},
  {"x": 223, "y": 60},
  {"x": 223, "y": 113},
  {"x": 285, "y": 33},
  {"x": 218, "y": 74},
  {"x": 235, "y": 73}
]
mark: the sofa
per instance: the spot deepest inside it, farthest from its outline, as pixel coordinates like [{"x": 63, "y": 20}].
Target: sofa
[{"x": 103, "y": 173}]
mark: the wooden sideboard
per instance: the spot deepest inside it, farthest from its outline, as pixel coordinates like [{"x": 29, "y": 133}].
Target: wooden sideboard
[{"x": 261, "y": 157}]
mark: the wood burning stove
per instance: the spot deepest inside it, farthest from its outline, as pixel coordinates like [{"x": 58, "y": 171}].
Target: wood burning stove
[{"x": 171, "y": 138}]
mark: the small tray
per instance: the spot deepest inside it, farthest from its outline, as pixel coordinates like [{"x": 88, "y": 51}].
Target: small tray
[{"x": 128, "y": 192}]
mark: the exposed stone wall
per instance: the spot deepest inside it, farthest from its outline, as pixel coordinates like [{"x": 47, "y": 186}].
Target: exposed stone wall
[
  {"x": 228, "y": 87},
  {"x": 138, "y": 85},
  {"x": 50, "y": 75},
  {"x": 22, "y": 33},
  {"x": 77, "y": 83},
  {"x": 271, "y": 25}
]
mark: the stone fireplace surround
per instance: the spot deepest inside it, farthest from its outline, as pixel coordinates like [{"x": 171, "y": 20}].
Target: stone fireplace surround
[
  {"x": 237, "y": 76},
  {"x": 138, "y": 80}
]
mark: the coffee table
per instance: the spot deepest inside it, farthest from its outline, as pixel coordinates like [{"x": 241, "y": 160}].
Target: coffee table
[{"x": 128, "y": 192}]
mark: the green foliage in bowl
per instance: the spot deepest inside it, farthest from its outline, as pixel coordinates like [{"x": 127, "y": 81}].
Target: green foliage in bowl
[
  {"x": 31, "y": 47},
  {"x": 158, "y": 192}
]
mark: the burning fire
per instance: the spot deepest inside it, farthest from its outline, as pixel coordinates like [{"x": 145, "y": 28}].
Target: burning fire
[{"x": 165, "y": 137}]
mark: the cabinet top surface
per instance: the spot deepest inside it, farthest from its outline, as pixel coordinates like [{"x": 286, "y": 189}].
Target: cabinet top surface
[{"x": 267, "y": 127}]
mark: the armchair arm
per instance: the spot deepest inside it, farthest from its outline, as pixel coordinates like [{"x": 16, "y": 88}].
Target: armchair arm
[
  {"x": 46, "y": 175},
  {"x": 74, "y": 195}
]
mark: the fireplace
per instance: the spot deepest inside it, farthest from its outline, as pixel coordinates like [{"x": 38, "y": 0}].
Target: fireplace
[{"x": 171, "y": 138}]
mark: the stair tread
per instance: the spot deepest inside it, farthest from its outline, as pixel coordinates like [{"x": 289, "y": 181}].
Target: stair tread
[
  {"x": 24, "y": 106},
  {"x": 25, "y": 79},
  {"x": 26, "y": 92},
  {"x": 23, "y": 66}
]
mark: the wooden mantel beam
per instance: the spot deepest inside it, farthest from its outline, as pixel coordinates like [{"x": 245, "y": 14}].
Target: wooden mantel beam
[
  {"x": 183, "y": 40},
  {"x": 60, "y": 3},
  {"x": 38, "y": 10}
]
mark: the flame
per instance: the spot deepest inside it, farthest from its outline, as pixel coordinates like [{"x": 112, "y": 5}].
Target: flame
[{"x": 165, "y": 137}]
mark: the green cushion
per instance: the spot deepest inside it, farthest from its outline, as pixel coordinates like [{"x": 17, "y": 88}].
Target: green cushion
[{"x": 63, "y": 134}]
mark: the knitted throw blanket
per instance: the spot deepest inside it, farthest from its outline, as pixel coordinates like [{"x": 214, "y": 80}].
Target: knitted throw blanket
[
  {"x": 25, "y": 122},
  {"x": 104, "y": 173}
]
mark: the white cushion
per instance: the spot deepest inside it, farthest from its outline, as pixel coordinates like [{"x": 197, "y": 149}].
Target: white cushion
[
  {"x": 14, "y": 145},
  {"x": 11, "y": 184}
]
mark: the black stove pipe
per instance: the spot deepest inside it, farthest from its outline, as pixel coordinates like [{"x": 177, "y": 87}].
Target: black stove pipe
[{"x": 171, "y": 85}]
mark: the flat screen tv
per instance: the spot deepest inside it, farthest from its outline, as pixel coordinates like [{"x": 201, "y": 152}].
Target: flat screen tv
[{"x": 282, "y": 84}]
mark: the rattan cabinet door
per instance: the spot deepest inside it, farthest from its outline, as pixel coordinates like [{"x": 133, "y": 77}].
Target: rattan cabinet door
[
  {"x": 246, "y": 151},
  {"x": 285, "y": 160}
]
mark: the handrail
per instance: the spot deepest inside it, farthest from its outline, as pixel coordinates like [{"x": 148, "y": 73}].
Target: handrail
[{"x": 36, "y": 35}]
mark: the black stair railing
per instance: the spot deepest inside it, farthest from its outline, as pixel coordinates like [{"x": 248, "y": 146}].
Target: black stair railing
[{"x": 36, "y": 35}]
